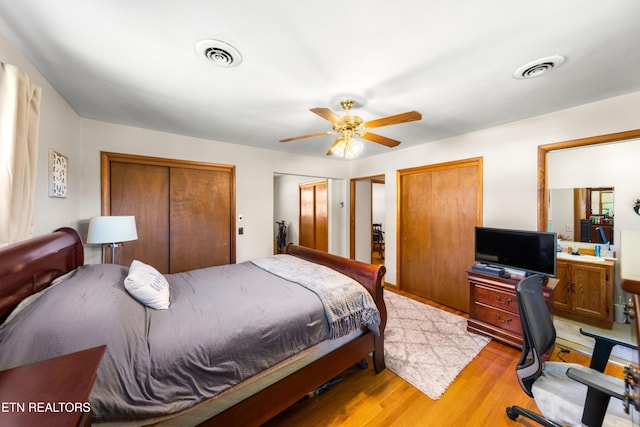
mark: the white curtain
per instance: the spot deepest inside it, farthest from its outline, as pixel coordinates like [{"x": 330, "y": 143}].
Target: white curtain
[{"x": 19, "y": 119}]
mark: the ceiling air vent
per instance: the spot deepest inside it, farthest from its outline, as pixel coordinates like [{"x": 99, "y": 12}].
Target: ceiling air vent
[
  {"x": 219, "y": 52},
  {"x": 538, "y": 67}
]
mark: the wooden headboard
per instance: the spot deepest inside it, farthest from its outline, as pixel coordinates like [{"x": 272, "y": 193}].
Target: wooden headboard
[{"x": 29, "y": 266}]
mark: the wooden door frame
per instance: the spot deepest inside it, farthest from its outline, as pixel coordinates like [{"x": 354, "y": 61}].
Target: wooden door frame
[
  {"x": 105, "y": 182},
  {"x": 475, "y": 161},
  {"x": 543, "y": 185}
]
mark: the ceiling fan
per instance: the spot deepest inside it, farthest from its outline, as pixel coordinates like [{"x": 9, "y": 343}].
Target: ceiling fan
[{"x": 354, "y": 126}]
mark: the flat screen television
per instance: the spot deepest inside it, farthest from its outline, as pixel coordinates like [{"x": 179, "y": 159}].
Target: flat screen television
[{"x": 533, "y": 252}]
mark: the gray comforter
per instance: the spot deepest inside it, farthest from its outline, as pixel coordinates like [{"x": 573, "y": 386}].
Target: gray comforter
[{"x": 225, "y": 324}]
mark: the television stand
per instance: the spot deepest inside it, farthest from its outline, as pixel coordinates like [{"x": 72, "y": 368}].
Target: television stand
[{"x": 493, "y": 309}]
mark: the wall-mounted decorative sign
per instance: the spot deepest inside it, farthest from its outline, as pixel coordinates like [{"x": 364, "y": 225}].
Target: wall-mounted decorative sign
[{"x": 58, "y": 171}]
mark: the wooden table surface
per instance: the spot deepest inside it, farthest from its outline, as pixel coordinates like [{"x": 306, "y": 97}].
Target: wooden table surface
[{"x": 51, "y": 392}]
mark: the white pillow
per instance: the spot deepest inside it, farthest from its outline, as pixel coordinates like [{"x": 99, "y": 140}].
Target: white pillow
[{"x": 147, "y": 285}]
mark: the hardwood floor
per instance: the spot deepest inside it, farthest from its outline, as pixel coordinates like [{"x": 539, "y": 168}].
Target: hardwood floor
[{"x": 478, "y": 397}]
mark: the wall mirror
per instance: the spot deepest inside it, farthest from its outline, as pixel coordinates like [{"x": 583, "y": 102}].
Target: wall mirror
[
  {"x": 618, "y": 176},
  {"x": 578, "y": 214}
]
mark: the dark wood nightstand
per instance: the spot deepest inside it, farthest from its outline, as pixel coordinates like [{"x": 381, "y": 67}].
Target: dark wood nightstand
[{"x": 51, "y": 392}]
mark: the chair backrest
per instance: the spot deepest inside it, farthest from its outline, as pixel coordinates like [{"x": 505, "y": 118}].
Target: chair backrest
[
  {"x": 601, "y": 236},
  {"x": 537, "y": 327},
  {"x": 377, "y": 233}
]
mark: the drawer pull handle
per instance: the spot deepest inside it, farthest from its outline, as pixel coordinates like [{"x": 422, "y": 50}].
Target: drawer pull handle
[
  {"x": 507, "y": 302},
  {"x": 503, "y": 321}
]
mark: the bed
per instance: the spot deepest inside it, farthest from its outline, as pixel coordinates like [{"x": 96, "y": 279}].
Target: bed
[{"x": 29, "y": 268}]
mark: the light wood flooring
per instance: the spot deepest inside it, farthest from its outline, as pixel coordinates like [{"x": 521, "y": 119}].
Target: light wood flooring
[{"x": 478, "y": 397}]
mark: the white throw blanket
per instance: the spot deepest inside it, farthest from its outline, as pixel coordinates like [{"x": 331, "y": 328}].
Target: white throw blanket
[{"x": 347, "y": 304}]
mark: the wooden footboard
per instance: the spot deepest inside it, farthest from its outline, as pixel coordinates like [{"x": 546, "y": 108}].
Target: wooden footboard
[
  {"x": 368, "y": 275},
  {"x": 264, "y": 405}
]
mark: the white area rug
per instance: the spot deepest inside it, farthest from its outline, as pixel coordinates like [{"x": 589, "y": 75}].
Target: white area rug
[
  {"x": 570, "y": 331},
  {"x": 426, "y": 346}
]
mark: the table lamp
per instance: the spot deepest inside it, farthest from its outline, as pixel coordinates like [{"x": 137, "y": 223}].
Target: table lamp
[{"x": 112, "y": 230}]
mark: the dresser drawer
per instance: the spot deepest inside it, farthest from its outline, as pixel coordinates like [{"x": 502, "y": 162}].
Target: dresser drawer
[
  {"x": 495, "y": 298},
  {"x": 502, "y": 319}
]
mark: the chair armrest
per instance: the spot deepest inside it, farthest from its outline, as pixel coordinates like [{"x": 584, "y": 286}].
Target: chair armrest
[
  {"x": 601, "y": 382},
  {"x": 602, "y": 349}
]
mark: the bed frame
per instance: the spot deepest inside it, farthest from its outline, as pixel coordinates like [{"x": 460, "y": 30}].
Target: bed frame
[{"x": 29, "y": 266}]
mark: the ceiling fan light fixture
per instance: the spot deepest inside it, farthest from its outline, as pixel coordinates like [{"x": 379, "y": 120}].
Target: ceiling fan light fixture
[
  {"x": 338, "y": 149},
  {"x": 538, "y": 67},
  {"x": 353, "y": 149},
  {"x": 219, "y": 52}
]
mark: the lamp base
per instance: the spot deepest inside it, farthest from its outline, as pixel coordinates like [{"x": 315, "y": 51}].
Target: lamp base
[{"x": 113, "y": 247}]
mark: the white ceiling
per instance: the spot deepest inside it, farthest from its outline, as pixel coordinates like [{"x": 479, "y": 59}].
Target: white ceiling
[{"x": 135, "y": 63}]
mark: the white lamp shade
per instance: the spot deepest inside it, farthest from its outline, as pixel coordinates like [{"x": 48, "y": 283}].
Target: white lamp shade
[{"x": 112, "y": 229}]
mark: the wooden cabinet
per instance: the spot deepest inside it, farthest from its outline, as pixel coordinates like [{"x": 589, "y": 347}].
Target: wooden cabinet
[
  {"x": 493, "y": 309},
  {"x": 585, "y": 291}
]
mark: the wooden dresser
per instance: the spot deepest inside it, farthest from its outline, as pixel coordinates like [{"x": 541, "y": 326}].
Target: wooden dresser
[{"x": 493, "y": 309}]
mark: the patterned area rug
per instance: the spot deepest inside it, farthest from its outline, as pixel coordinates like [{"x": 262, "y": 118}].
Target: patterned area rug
[{"x": 426, "y": 346}]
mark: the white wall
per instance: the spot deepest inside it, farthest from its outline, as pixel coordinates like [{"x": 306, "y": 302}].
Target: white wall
[
  {"x": 510, "y": 162},
  {"x": 377, "y": 203},
  {"x": 363, "y": 221},
  {"x": 561, "y": 216}
]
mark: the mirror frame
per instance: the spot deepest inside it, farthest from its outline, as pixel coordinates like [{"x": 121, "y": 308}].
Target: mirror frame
[{"x": 543, "y": 201}]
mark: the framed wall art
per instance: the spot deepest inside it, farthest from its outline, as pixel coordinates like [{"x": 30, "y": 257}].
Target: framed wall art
[{"x": 58, "y": 171}]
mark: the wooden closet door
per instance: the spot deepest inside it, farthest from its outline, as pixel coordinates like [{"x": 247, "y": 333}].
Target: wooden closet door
[
  {"x": 143, "y": 191},
  {"x": 314, "y": 215},
  {"x": 439, "y": 208},
  {"x": 200, "y": 217},
  {"x": 322, "y": 217},
  {"x": 307, "y": 216},
  {"x": 415, "y": 241},
  {"x": 185, "y": 211}
]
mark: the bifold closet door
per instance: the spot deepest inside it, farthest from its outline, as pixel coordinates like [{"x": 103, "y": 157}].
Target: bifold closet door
[
  {"x": 439, "y": 207},
  {"x": 184, "y": 210},
  {"x": 199, "y": 216},
  {"x": 143, "y": 191},
  {"x": 313, "y": 221}
]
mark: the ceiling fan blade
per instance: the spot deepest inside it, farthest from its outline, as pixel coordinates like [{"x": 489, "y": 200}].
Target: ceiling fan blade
[
  {"x": 306, "y": 136},
  {"x": 409, "y": 116},
  {"x": 329, "y": 115},
  {"x": 379, "y": 139}
]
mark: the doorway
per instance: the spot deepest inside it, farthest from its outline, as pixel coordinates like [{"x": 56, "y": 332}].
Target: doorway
[{"x": 367, "y": 208}]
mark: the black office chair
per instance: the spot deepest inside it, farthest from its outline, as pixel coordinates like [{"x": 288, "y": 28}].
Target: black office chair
[
  {"x": 566, "y": 393},
  {"x": 601, "y": 236}
]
